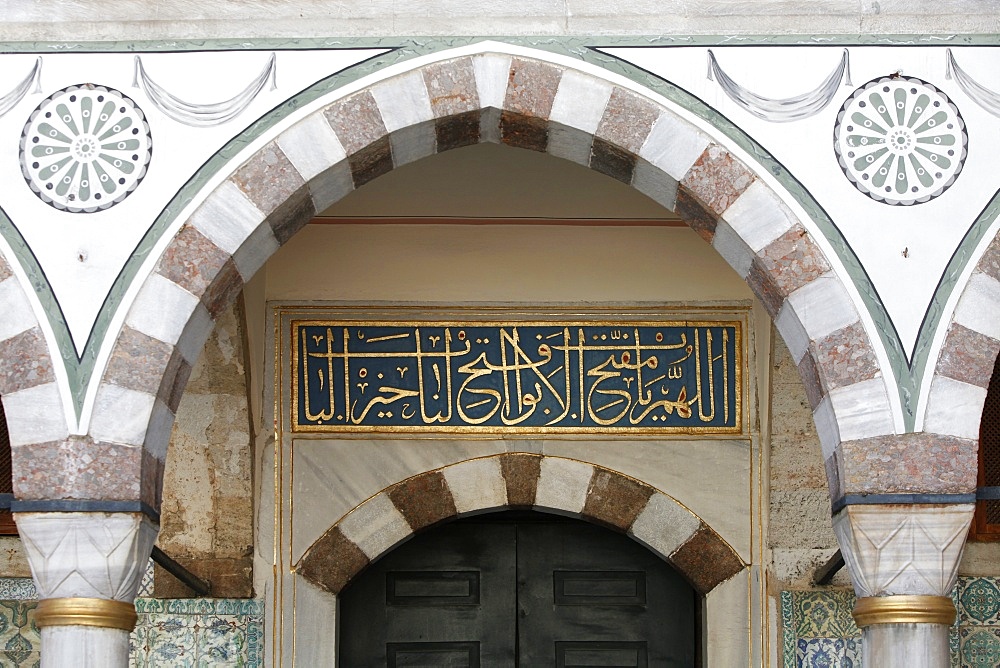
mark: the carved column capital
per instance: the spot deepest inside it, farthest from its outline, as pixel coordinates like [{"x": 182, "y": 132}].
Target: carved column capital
[
  {"x": 87, "y": 555},
  {"x": 903, "y": 549}
]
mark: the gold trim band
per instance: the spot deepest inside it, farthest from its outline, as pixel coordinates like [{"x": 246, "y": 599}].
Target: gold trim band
[
  {"x": 98, "y": 612},
  {"x": 904, "y": 610}
]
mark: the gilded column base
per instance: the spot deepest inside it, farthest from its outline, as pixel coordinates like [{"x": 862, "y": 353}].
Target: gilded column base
[
  {"x": 908, "y": 609},
  {"x": 98, "y": 612}
]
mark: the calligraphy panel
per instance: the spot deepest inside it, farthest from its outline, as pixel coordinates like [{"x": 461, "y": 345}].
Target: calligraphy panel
[{"x": 523, "y": 377}]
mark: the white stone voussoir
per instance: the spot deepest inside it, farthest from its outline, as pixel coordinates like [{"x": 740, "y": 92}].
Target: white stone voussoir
[
  {"x": 822, "y": 306},
  {"x": 563, "y": 484},
  {"x": 35, "y": 415},
  {"x": 862, "y": 409},
  {"x": 199, "y": 326},
  {"x": 492, "y": 72},
  {"x": 476, "y": 485},
  {"x": 664, "y": 525},
  {"x": 758, "y": 216},
  {"x": 375, "y": 526},
  {"x": 311, "y": 146},
  {"x": 227, "y": 217},
  {"x": 733, "y": 248},
  {"x": 161, "y": 309},
  {"x": 121, "y": 415},
  {"x": 792, "y": 332},
  {"x": 978, "y": 307},
  {"x": 826, "y": 427},
  {"x": 954, "y": 408},
  {"x": 403, "y": 101},
  {"x": 161, "y": 423},
  {"x": 673, "y": 145},
  {"x": 580, "y": 101},
  {"x": 255, "y": 251},
  {"x": 17, "y": 313}
]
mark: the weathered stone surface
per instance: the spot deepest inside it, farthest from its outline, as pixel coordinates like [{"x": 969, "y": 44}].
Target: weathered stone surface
[
  {"x": 800, "y": 518},
  {"x": 811, "y": 382},
  {"x": 451, "y": 86},
  {"x": 717, "y": 179},
  {"x": 793, "y": 260},
  {"x": 627, "y": 120},
  {"x": 457, "y": 131},
  {"x": 531, "y": 87},
  {"x": 332, "y": 561},
  {"x": 138, "y": 361},
  {"x": 845, "y": 357},
  {"x": 698, "y": 218},
  {"x": 705, "y": 560},
  {"x": 230, "y": 578},
  {"x": 269, "y": 178},
  {"x": 357, "y": 121},
  {"x": 423, "y": 500},
  {"x": 77, "y": 468},
  {"x": 612, "y": 160},
  {"x": 226, "y": 284},
  {"x": 520, "y": 472},
  {"x": 292, "y": 215},
  {"x": 967, "y": 355},
  {"x": 524, "y": 131},
  {"x": 614, "y": 500},
  {"x": 371, "y": 162},
  {"x": 762, "y": 283},
  {"x": 192, "y": 261},
  {"x": 175, "y": 377},
  {"x": 908, "y": 463},
  {"x": 989, "y": 263},
  {"x": 5, "y": 271},
  {"x": 26, "y": 361}
]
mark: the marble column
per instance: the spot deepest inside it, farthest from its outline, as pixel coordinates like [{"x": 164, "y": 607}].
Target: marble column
[
  {"x": 903, "y": 560},
  {"x": 87, "y": 568}
]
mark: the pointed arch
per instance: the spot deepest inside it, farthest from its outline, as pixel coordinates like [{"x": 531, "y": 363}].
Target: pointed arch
[{"x": 525, "y": 102}]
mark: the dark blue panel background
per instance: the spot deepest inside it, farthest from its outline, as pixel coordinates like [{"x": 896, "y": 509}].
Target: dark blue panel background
[{"x": 523, "y": 376}]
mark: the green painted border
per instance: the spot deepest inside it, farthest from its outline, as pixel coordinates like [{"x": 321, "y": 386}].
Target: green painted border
[{"x": 80, "y": 370}]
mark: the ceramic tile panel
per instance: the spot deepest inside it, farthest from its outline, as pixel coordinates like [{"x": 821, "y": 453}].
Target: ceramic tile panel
[{"x": 818, "y": 630}]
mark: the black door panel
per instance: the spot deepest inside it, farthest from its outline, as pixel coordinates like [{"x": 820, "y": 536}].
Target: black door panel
[{"x": 531, "y": 591}]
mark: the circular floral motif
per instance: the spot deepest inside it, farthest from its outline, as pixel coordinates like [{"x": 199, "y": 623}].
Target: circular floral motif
[
  {"x": 900, "y": 141},
  {"x": 85, "y": 148}
]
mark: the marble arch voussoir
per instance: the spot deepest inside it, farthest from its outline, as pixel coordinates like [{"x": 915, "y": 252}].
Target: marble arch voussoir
[
  {"x": 523, "y": 102},
  {"x": 520, "y": 480}
]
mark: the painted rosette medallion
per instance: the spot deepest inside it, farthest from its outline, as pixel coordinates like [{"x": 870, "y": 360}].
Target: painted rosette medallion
[
  {"x": 85, "y": 148},
  {"x": 900, "y": 140}
]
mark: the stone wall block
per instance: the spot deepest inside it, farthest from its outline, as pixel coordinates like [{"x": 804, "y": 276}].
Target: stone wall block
[
  {"x": 375, "y": 526},
  {"x": 822, "y": 306},
  {"x": 492, "y": 76},
  {"x": 811, "y": 381},
  {"x": 977, "y": 308},
  {"x": 476, "y": 485},
  {"x": 673, "y": 146},
  {"x": 717, "y": 179},
  {"x": 762, "y": 282},
  {"x": 151, "y": 484},
  {"x": 627, "y": 121},
  {"x": 77, "y": 468},
  {"x": 424, "y": 500},
  {"x": 191, "y": 261},
  {"x": 664, "y": 525},
  {"x": 758, "y": 216},
  {"x": 563, "y": 485},
  {"x": 222, "y": 291},
  {"x": 706, "y": 560},
  {"x": 614, "y": 500},
  {"x": 138, "y": 361},
  {"x": 161, "y": 309},
  {"x": 520, "y": 473},
  {"x": 733, "y": 249},
  {"x": 571, "y": 144},
  {"x": 371, "y": 162},
  {"x": 227, "y": 217},
  {"x": 5, "y": 271},
  {"x": 989, "y": 263},
  {"x": 311, "y": 146},
  {"x": 846, "y": 357},
  {"x": 862, "y": 409},
  {"x": 357, "y": 121},
  {"x": 451, "y": 87},
  {"x": 32, "y": 415},
  {"x": 121, "y": 415},
  {"x": 456, "y": 131},
  {"x": 524, "y": 131},
  {"x": 269, "y": 178},
  {"x": 612, "y": 160},
  {"x": 530, "y": 92},
  {"x": 292, "y": 215},
  {"x": 256, "y": 250},
  {"x": 793, "y": 260},
  {"x": 26, "y": 362},
  {"x": 915, "y": 463},
  {"x": 332, "y": 561},
  {"x": 18, "y": 316},
  {"x": 954, "y": 408},
  {"x": 698, "y": 217},
  {"x": 174, "y": 380},
  {"x": 653, "y": 183},
  {"x": 967, "y": 356}
]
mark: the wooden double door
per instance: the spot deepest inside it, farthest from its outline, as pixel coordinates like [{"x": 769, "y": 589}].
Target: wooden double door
[{"x": 518, "y": 590}]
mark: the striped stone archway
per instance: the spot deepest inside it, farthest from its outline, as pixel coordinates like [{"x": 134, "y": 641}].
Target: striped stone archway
[
  {"x": 520, "y": 480},
  {"x": 525, "y": 102}
]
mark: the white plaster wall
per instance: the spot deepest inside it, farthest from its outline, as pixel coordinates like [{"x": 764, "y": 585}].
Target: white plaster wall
[{"x": 135, "y": 19}]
